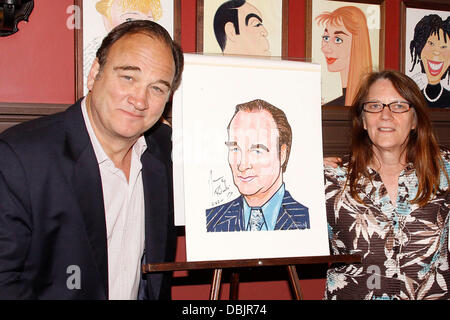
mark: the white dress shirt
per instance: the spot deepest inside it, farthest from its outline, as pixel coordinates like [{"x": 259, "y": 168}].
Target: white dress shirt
[{"x": 124, "y": 214}]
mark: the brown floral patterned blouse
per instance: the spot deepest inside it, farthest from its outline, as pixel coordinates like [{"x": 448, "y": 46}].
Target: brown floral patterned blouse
[{"x": 404, "y": 249}]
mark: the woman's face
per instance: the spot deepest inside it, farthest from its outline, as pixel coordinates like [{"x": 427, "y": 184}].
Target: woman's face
[
  {"x": 435, "y": 57},
  {"x": 388, "y": 131},
  {"x": 336, "y": 47}
]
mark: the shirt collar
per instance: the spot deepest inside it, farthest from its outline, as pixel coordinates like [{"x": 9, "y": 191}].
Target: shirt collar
[
  {"x": 270, "y": 209},
  {"x": 409, "y": 167}
]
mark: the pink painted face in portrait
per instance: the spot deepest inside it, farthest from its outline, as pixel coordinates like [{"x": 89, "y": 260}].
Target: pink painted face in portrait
[
  {"x": 120, "y": 11},
  {"x": 252, "y": 37},
  {"x": 336, "y": 47},
  {"x": 254, "y": 156}
]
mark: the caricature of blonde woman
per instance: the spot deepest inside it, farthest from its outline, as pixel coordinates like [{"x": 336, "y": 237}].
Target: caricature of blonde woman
[
  {"x": 346, "y": 47},
  {"x": 115, "y": 12}
]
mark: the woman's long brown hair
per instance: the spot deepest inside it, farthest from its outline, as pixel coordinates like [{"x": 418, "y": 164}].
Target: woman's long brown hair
[{"x": 421, "y": 149}]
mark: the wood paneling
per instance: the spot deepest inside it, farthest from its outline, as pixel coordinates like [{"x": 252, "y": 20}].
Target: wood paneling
[{"x": 15, "y": 113}]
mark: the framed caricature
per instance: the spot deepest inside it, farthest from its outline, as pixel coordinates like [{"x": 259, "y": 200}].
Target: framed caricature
[
  {"x": 240, "y": 27},
  {"x": 248, "y": 173},
  {"x": 425, "y": 49},
  {"x": 347, "y": 39},
  {"x": 98, "y": 17}
]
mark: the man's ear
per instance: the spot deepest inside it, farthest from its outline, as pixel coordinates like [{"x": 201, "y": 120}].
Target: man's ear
[
  {"x": 95, "y": 69},
  {"x": 230, "y": 31},
  {"x": 283, "y": 154}
]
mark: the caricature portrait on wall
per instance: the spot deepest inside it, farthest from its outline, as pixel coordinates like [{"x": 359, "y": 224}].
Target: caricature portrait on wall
[
  {"x": 242, "y": 27},
  {"x": 346, "y": 42},
  {"x": 247, "y": 156},
  {"x": 427, "y": 54},
  {"x": 101, "y": 16}
]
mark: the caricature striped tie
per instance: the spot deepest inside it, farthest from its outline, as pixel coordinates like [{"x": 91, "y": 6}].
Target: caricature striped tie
[{"x": 256, "y": 219}]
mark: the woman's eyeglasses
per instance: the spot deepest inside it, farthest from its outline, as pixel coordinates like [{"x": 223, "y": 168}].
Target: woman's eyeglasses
[{"x": 395, "y": 107}]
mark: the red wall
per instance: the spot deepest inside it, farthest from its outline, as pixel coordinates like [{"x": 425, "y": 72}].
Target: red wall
[
  {"x": 37, "y": 66},
  {"x": 37, "y": 63}
]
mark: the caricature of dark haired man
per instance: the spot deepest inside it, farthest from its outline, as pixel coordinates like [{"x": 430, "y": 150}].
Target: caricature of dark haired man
[{"x": 239, "y": 29}]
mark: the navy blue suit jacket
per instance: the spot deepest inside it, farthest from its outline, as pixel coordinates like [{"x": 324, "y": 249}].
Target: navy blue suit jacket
[
  {"x": 230, "y": 216},
  {"x": 52, "y": 212}
]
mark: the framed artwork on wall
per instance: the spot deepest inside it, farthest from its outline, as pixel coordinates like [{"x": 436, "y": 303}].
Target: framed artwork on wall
[
  {"x": 347, "y": 39},
  {"x": 98, "y": 17},
  {"x": 425, "y": 49},
  {"x": 243, "y": 27}
]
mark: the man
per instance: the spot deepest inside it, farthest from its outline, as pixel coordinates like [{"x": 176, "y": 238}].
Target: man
[
  {"x": 86, "y": 194},
  {"x": 259, "y": 144},
  {"x": 239, "y": 30}
]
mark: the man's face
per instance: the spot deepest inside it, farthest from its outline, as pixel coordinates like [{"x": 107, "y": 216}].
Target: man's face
[
  {"x": 435, "y": 57},
  {"x": 252, "y": 38},
  {"x": 253, "y": 153},
  {"x": 129, "y": 94},
  {"x": 119, "y": 14},
  {"x": 337, "y": 47}
]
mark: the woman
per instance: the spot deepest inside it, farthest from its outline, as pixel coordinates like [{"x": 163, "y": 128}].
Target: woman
[
  {"x": 430, "y": 48},
  {"x": 389, "y": 200},
  {"x": 346, "y": 47}
]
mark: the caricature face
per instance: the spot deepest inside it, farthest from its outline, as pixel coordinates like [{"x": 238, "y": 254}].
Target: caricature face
[
  {"x": 252, "y": 37},
  {"x": 254, "y": 156},
  {"x": 119, "y": 14},
  {"x": 336, "y": 47},
  {"x": 435, "y": 57}
]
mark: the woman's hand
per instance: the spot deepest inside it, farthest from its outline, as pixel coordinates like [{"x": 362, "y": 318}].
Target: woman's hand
[{"x": 332, "y": 161}]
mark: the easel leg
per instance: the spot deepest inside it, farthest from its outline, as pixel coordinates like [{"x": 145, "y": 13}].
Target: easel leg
[
  {"x": 215, "y": 285},
  {"x": 234, "y": 286},
  {"x": 295, "y": 284}
]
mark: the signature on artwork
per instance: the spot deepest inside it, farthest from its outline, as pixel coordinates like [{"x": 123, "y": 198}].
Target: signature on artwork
[{"x": 220, "y": 189}]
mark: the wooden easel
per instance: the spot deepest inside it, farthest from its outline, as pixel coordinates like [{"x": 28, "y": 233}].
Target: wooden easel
[{"x": 218, "y": 267}]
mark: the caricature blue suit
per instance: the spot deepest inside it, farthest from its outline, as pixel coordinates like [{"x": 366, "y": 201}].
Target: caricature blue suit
[{"x": 230, "y": 216}]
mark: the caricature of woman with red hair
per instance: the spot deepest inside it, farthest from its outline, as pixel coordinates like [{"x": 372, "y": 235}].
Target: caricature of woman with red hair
[{"x": 346, "y": 46}]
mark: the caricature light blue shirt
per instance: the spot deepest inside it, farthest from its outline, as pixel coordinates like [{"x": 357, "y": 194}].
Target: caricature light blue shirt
[{"x": 270, "y": 210}]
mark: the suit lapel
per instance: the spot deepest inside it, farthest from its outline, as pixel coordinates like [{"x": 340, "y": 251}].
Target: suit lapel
[
  {"x": 233, "y": 218},
  {"x": 283, "y": 214},
  {"x": 88, "y": 188},
  {"x": 240, "y": 215}
]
